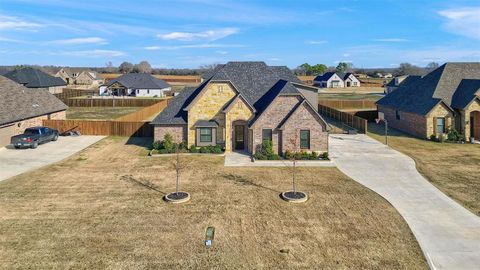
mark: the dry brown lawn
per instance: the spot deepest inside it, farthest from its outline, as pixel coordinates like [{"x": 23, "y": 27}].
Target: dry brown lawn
[
  {"x": 103, "y": 208},
  {"x": 452, "y": 168},
  {"x": 101, "y": 113}
]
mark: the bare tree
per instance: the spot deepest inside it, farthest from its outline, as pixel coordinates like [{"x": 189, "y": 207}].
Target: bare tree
[
  {"x": 125, "y": 67},
  {"x": 109, "y": 67},
  {"x": 179, "y": 165},
  {"x": 293, "y": 158},
  {"x": 431, "y": 66},
  {"x": 408, "y": 69},
  {"x": 143, "y": 67}
]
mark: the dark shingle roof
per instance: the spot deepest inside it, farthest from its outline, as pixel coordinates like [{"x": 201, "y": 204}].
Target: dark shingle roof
[
  {"x": 140, "y": 81},
  {"x": 174, "y": 113},
  {"x": 465, "y": 93},
  {"x": 34, "y": 78},
  {"x": 324, "y": 77},
  {"x": 205, "y": 123},
  {"x": 18, "y": 102},
  {"x": 421, "y": 95},
  {"x": 207, "y": 75},
  {"x": 253, "y": 80}
]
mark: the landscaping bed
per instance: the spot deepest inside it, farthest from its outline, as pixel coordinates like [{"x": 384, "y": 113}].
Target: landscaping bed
[{"x": 167, "y": 146}]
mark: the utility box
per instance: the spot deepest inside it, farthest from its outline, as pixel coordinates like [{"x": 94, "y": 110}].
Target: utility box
[{"x": 209, "y": 235}]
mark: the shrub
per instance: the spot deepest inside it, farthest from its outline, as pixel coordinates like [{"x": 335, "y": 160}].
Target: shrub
[
  {"x": 265, "y": 152},
  {"x": 157, "y": 145},
  {"x": 433, "y": 138},
  {"x": 193, "y": 149},
  {"x": 168, "y": 143},
  {"x": 454, "y": 136},
  {"x": 304, "y": 155},
  {"x": 324, "y": 156}
]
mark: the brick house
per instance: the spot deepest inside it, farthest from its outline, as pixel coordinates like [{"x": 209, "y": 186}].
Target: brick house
[
  {"x": 449, "y": 96},
  {"x": 21, "y": 108},
  {"x": 240, "y": 105},
  {"x": 80, "y": 76},
  {"x": 36, "y": 79}
]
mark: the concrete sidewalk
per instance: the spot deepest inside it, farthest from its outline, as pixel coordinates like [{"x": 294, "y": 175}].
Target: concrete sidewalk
[
  {"x": 17, "y": 161},
  {"x": 240, "y": 159},
  {"x": 448, "y": 234}
]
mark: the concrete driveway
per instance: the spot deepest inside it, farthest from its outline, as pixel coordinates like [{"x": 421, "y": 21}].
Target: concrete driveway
[
  {"x": 17, "y": 161},
  {"x": 448, "y": 234}
]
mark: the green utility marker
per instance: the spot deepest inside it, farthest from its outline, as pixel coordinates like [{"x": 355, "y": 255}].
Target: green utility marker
[{"x": 209, "y": 235}]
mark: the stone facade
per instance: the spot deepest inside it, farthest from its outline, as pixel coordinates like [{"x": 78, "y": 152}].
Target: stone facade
[
  {"x": 271, "y": 118},
  {"x": 239, "y": 111},
  {"x": 208, "y": 106},
  {"x": 178, "y": 132},
  {"x": 304, "y": 118},
  {"x": 439, "y": 111},
  {"x": 473, "y": 109}
]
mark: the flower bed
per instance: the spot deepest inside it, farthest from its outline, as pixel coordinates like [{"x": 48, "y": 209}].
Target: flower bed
[{"x": 265, "y": 152}]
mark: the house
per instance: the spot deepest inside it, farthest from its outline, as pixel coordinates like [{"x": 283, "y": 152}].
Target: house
[
  {"x": 336, "y": 80},
  {"x": 396, "y": 82},
  {"x": 448, "y": 96},
  {"x": 243, "y": 104},
  {"x": 36, "y": 79},
  {"x": 136, "y": 84},
  {"x": 80, "y": 76},
  {"x": 349, "y": 80},
  {"x": 21, "y": 108}
]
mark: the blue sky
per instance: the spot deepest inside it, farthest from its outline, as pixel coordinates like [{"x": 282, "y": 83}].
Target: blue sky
[{"x": 190, "y": 33}]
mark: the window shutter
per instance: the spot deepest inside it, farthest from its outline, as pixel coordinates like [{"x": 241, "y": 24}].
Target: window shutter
[{"x": 435, "y": 125}]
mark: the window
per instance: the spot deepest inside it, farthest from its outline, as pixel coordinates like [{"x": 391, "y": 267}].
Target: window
[
  {"x": 266, "y": 135},
  {"x": 397, "y": 115},
  {"x": 304, "y": 139},
  {"x": 205, "y": 135},
  {"x": 440, "y": 125},
  {"x": 220, "y": 88},
  {"x": 148, "y": 91},
  {"x": 354, "y": 83}
]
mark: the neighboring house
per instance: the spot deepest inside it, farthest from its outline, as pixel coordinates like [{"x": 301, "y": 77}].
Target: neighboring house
[
  {"x": 361, "y": 75},
  {"x": 349, "y": 80},
  {"x": 449, "y": 96},
  {"x": 243, "y": 104},
  {"x": 336, "y": 80},
  {"x": 396, "y": 82},
  {"x": 136, "y": 84},
  {"x": 36, "y": 79},
  {"x": 388, "y": 76},
  {"x": 21, "y": 108},
  {"x": 80, "y": 76}
]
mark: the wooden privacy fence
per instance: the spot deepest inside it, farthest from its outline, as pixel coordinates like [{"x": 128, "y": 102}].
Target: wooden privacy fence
[
  {"x": 102, "y": 127},
  {"x": 348, "y": 104},
  {"x": 71, "y": 93},
  {"x": 145, "y": 113},
  {"x": 350, "y": 120},
  {"x": 111, "y": 102},
  {"x": 136, "y": 124}
]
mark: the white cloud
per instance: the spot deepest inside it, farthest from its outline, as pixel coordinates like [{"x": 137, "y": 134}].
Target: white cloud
[
  {"x": 462, "y": 21},
  {"x": 77, "y": 41},
  {"x": 391, "y": 40},
  {"x": 315, "y": 42},
  {"x": 93, "y": 53},
  {"x": 15, "y": 23},
  {"x": 274, "y": 59},
  {"x": 12, "y": 40},
  {"x": 209, "y": 35},
  {"x": 221, "y": 52},
  {"x": 192, "y": 46}
]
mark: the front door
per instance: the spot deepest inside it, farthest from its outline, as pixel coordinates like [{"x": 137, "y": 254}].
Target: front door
[{"x": 239, "y": 137}]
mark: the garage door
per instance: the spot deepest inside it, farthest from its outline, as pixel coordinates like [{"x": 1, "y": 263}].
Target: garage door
[{"x": 5, "y": 133}]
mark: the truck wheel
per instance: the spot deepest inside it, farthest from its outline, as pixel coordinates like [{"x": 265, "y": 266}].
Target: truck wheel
[
  {"x": 55, "y": 138},
  {"x": 34, "y": 145},
  {"x": 17, "y": 147}
]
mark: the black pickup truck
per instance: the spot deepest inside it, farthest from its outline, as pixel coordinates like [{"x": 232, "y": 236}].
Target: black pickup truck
[{"x": 34, "y": 136}]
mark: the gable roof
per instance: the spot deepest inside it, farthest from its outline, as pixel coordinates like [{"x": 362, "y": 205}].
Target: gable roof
[
  {"x": 34, "y": 78},
  {"x": 324, "y": 77},
  {"x": 252, "y": 80},
  {"x": 406, "y": 80},
  {"x": 18, "y": 102},
  {"x": 466, "y": 92},
  {"x": 139, "y": 81},
  {"x": 422, "y": 94},
  {"x": 304, "y": 102}
]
